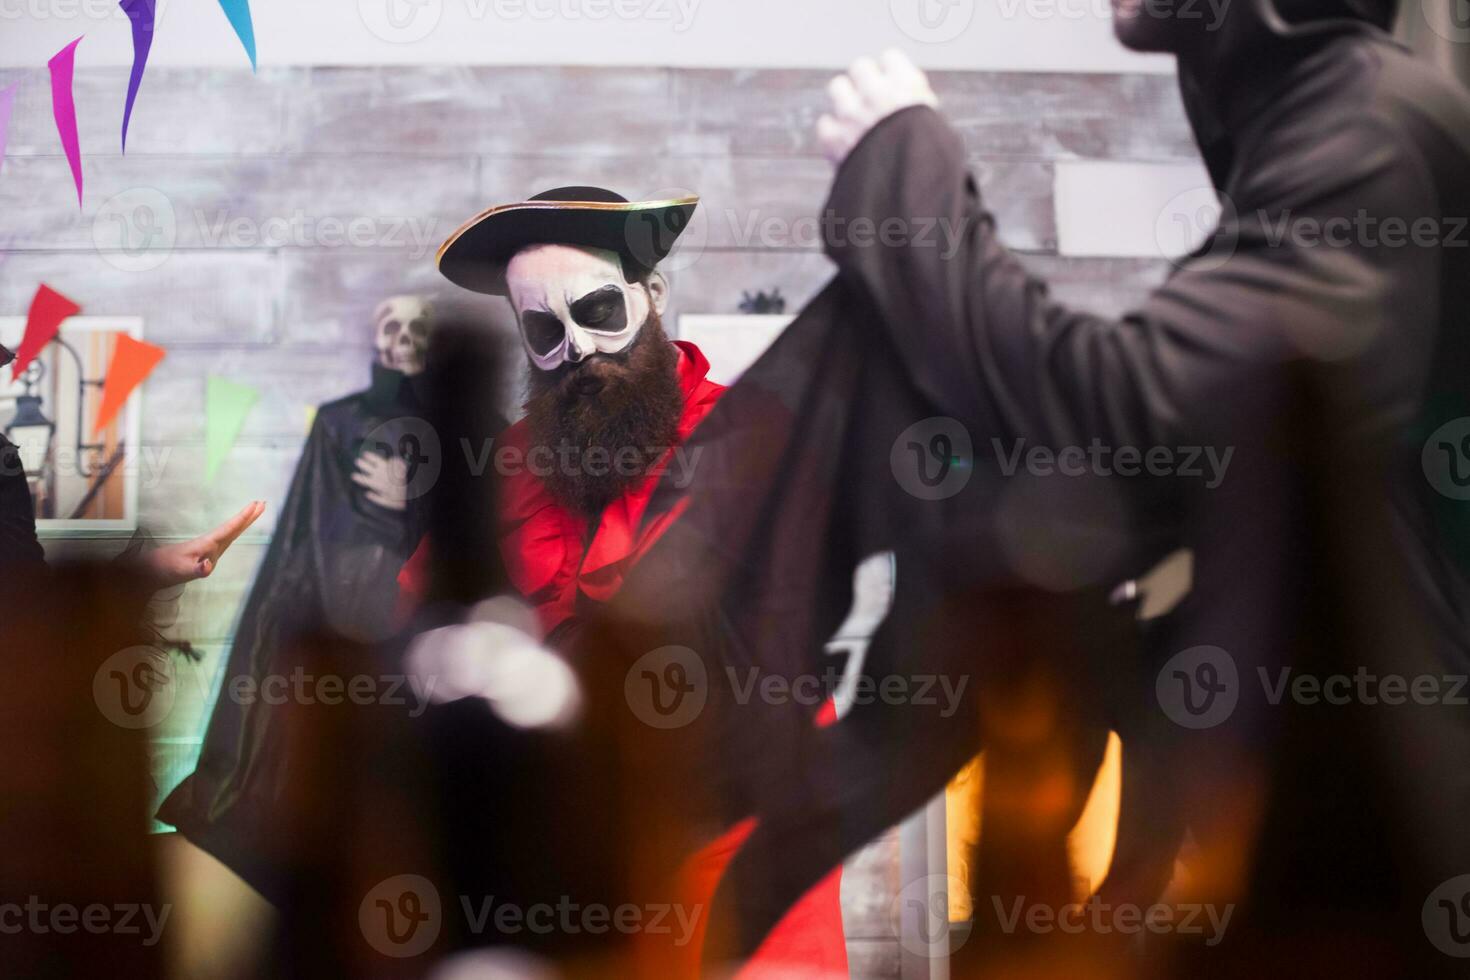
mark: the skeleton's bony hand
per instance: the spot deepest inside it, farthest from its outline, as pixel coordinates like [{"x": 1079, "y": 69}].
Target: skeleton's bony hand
[
  {"x": 385, "y": 478},
  {"x": 871, "y": 91}
]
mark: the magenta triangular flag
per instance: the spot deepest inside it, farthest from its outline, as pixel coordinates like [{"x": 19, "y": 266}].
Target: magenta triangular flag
[{"x": 65, "y": 109}]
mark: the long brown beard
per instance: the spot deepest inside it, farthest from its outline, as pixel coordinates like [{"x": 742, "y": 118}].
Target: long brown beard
[{"x": 604, "y": 438}]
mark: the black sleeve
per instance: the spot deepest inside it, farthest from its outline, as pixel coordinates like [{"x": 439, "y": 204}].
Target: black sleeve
[
  {"x": 985, "y": 343},
  {"x": 18, "y": 542}
]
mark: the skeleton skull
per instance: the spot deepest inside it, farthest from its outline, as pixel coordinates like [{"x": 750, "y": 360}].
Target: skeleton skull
[{"x": 403, "y": 324}]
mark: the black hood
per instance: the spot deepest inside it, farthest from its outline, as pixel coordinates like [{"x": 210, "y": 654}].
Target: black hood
[{"x": 1258, "y": 48}]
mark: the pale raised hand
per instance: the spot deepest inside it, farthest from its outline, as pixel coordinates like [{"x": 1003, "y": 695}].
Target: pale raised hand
[{"x": 870, "y": 91}]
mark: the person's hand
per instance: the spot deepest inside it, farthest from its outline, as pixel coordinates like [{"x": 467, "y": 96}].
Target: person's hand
[
  {"x": 496, "y": 656},
  {"x": 871, "y": 91},
  {"x": 176, "y": 564},
  {"x": 385, "y": 478}
]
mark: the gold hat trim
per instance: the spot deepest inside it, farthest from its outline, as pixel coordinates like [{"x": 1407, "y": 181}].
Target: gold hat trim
[{"x": 560, "y": 206}]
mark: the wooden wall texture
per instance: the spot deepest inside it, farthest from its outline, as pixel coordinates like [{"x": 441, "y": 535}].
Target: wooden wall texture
[{"x": 173, "y": 232}]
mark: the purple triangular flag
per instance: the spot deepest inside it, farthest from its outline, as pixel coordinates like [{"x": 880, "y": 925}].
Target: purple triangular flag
[{"x": 140, "y": 12}]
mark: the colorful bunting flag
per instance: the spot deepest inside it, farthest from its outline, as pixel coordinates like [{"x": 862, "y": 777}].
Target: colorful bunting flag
[
  {"x": 226, "y": 404},
  {"x": 140, "y": 12},
  {"x": 7, "y": 101},
  {"x": 43, "y": 322},
  {"x": 132, "y": 361},
  {"x": 238, "y": 11},
  {"x": 65, "y": 110}
]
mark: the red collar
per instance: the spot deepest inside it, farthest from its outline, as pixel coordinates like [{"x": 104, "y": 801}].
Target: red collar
[
  {"x": 693, "y": 368},
  {"x": 545, "y": 545}
]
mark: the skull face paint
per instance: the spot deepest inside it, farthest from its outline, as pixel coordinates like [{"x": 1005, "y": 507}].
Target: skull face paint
[
  {"x": 573, "y": 302},
  {"x": 403, "y": 324}
]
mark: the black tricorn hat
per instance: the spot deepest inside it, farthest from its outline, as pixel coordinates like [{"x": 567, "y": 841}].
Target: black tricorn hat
[{"x": 641, "y": 232}]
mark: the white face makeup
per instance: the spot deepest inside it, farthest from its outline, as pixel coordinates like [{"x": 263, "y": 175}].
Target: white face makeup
[{"x": 573, "y": 302}]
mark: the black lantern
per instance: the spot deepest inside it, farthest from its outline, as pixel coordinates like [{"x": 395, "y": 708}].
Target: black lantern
[{"x": 29, "y": 428}]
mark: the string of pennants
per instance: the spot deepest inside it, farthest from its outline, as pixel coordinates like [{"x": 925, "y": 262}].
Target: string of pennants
[
  {"x": 227, "y": 403},
  {"x": 141, "y": 15}
]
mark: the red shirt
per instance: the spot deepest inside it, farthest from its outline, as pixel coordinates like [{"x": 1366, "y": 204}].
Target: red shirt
[
  {"x": 554, "y": 568},
  {"x": 545, "y": 545}
]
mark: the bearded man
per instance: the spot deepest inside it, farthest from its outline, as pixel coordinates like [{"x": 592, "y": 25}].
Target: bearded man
[{"x": 611, "y": 400}]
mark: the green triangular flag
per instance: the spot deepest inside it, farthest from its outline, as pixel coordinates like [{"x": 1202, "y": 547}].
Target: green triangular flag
[{"x": 226, "y": 403}]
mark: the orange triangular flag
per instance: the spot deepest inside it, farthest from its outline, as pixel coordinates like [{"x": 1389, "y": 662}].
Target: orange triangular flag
[{"x": 132, "y": 361}]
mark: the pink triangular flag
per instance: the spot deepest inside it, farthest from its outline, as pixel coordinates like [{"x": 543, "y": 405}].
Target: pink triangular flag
[
  {"x": 48, "y": 309},
  {"x": 132, "y": 361},
  {"x": 65, "y": 110}
]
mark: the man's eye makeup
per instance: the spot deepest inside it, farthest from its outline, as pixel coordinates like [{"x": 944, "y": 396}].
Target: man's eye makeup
[
  {"x": 601, "y": 310},
  {"x": 543, "y": 330}
]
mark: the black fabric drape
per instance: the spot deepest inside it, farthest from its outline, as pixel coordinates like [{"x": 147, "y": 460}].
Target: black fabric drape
[
  {"x": 1321, "y": 366},
  {"x": 795, "y": 484},
  {"x": 18, "y": 545},
  {"x": 332, "y": 564}
]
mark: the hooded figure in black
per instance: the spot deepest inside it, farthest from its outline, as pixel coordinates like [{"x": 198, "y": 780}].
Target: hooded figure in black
[
  {"x": 1319, "y": 335},
  {"x": 342, "y": 536}
]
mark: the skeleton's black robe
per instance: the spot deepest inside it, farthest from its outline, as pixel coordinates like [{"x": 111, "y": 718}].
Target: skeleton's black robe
[{"x": 332, "y": 563}]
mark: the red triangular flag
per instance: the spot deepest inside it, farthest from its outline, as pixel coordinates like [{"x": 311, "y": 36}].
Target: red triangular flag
[
  {"x": 132, "y": 361},
  {"x": 48, "y": 309}
]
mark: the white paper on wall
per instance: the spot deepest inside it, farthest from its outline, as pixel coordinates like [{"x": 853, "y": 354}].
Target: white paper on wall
[
  {"x": 1132, "y": 210},
  {"x": 732, "y": 343}
]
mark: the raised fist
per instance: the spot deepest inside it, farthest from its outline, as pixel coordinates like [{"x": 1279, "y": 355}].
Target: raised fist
[{"x": 871, "y": 91}]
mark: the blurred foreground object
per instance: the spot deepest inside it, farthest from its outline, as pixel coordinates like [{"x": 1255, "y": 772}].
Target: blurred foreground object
[
  {"x": 1439, "y": 31},
  {"x": 78, "y": 895}
]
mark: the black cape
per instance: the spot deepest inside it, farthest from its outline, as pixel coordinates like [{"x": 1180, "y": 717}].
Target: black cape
[
  {"x": 332, "y": 563},
  {"x": 1327, "y": 548},
  {"x": 18, "y": 544}
]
